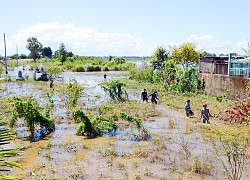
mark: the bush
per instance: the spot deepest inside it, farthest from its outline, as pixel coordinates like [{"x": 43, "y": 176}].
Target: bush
[
  {"x": 115, "y": 89},
  {"x": 91, "y": 126},
  {"x": 78, "y": 69},
  {"x": 93, "y": 68}
]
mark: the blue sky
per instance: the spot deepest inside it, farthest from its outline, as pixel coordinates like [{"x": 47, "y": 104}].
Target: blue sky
[{"x": 125, "y": 27}]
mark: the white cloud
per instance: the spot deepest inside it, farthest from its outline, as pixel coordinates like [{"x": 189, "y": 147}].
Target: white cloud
[
  {"x": 79, "y": 40},
  {"x": 212, "y": 44}
]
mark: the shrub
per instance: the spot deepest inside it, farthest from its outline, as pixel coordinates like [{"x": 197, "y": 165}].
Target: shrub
[
  {"x": 93, "y": 68},
  {"x": 29, "y": 111},
  {"x": 93, "y": 126},
  {"x": 115, "y": 89},
  {"x": 78, "y": 69}
]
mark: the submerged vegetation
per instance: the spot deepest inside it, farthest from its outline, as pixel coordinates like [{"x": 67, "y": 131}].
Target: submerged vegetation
[
  {"x": 126, "y": 137},
  {"x": 115, "y": 89},
  {"x": 93, "y": 126},
  {"x": 28, "y": 109}
]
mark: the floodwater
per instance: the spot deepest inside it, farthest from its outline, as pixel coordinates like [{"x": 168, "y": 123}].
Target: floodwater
[{"x": 168, "y": 154}]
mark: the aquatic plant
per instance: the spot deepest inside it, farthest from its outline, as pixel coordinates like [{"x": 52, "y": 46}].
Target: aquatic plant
[
  {"x": 201, "y": 167},
  {"x": 137, "y": 122},
  {"x": 115, "y": 89},
  {"x": 53, "y": 70},
  {"x": 29, "y": 111},
  {"x": 49, "y": 96},
  {"x": 93, "y": 126},
  {"x": 73, "y": 90},
  {"x": 235, "y": 148}
]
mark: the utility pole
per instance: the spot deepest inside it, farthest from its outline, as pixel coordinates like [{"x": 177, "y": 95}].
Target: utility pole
[
  {"x": 5, "y": 59},
  {"x": 17, "y": 56}
]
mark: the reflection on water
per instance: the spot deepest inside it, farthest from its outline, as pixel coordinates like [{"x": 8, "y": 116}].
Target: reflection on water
[{"x": 92, "y": 96}]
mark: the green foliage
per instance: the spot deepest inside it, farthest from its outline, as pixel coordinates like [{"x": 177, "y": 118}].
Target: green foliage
[
  {"x": 159, "y": 57},
  {"x": 104, "y": 108},
  {"x": 132, "y": 119},
  {"x": 5, "y": 165},
  {"x": 50, "y": 98},
  {"x": 235, "y": 148},
  {"x": 115, "y": 89},
  {"x": 34, "y": 47},
  {"x": 93, "y": 68},
  {"x": 29, "y": 111},
  {"x": 79, "y": 115},
  {"x": 62, "y": 53},
  {"x": 74, "y": 92},
  {"x": 184, "y": 54},
  {"x": 187, "y": 80},
  {"x": 137, "y": 122},
  {"x": 78, "y": 68},
  {"x": 171, "y": 76},
  {"x": 46, "y": 52},
  {"x": 144, "y": 73},
  {"x": 53, "y": 70},
  {"x": 119, "y": 60},
  {"x": 90, "y": 126},
  {"x": 1, "y": 68}
]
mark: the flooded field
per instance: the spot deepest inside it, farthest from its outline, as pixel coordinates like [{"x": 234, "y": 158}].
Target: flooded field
[{"x": 174, "y": 150}]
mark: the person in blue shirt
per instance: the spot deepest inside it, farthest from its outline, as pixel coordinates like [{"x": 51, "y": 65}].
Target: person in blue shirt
[
  {"x": 154, "y": 97},
  {"x": 188, "y": 110}
]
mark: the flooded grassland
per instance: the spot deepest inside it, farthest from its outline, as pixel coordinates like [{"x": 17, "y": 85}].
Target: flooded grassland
[{"x": 174, "y": 148}]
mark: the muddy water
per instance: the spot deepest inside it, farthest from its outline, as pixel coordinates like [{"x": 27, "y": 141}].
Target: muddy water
[{"x": 63, "y": 155}]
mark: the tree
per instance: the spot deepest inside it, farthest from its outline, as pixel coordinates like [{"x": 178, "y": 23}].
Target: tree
[
  {"x": 23, "y": 56},
  {"x": 205, "y": 53},
  {"x": 159, "y": 57},
  {"x": 14, "y": 56},
  {"x": 70, "y": 54},
  {"x": 110, "y": 57},
  {"x": 185, "y": 54},
  {"x": 62, "y": 53},
  {"x": 47, "y": 52},
  {"x": 35, "y": 48}
]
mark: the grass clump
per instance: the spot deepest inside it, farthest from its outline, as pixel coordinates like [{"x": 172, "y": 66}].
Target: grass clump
[{"x": 201, "y": 167}]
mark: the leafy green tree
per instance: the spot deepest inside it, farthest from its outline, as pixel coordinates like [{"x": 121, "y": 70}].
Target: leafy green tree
[
  {"x": 62, "y": 53},
  {"x": 119, "y": 60},
  {"x": 53, "y": 71},
  {"x": 185, "y": 54},
  {"x": 34, "y": 47},
  {"x": 23, "y": 56},
  {"x": 14, "y": 56},
  {"x": 115, "y": 89},
  {"x": 159, "y": 57},
  {"x": 47, "y": 52},
  {"x": 70, "y": 54},
  {"x": 205, "y": 53},
  {"x": 110, "y": 57}
]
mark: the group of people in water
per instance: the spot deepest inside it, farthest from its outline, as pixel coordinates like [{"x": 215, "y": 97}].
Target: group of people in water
[
  {"x": 145, "y": 96},
  {"x": 205, "y": 113}
]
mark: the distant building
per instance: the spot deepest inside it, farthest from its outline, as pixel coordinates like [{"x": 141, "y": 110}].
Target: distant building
[
  {"x": 224, "y": 74},
  {"x": 231, "y": 66}
]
